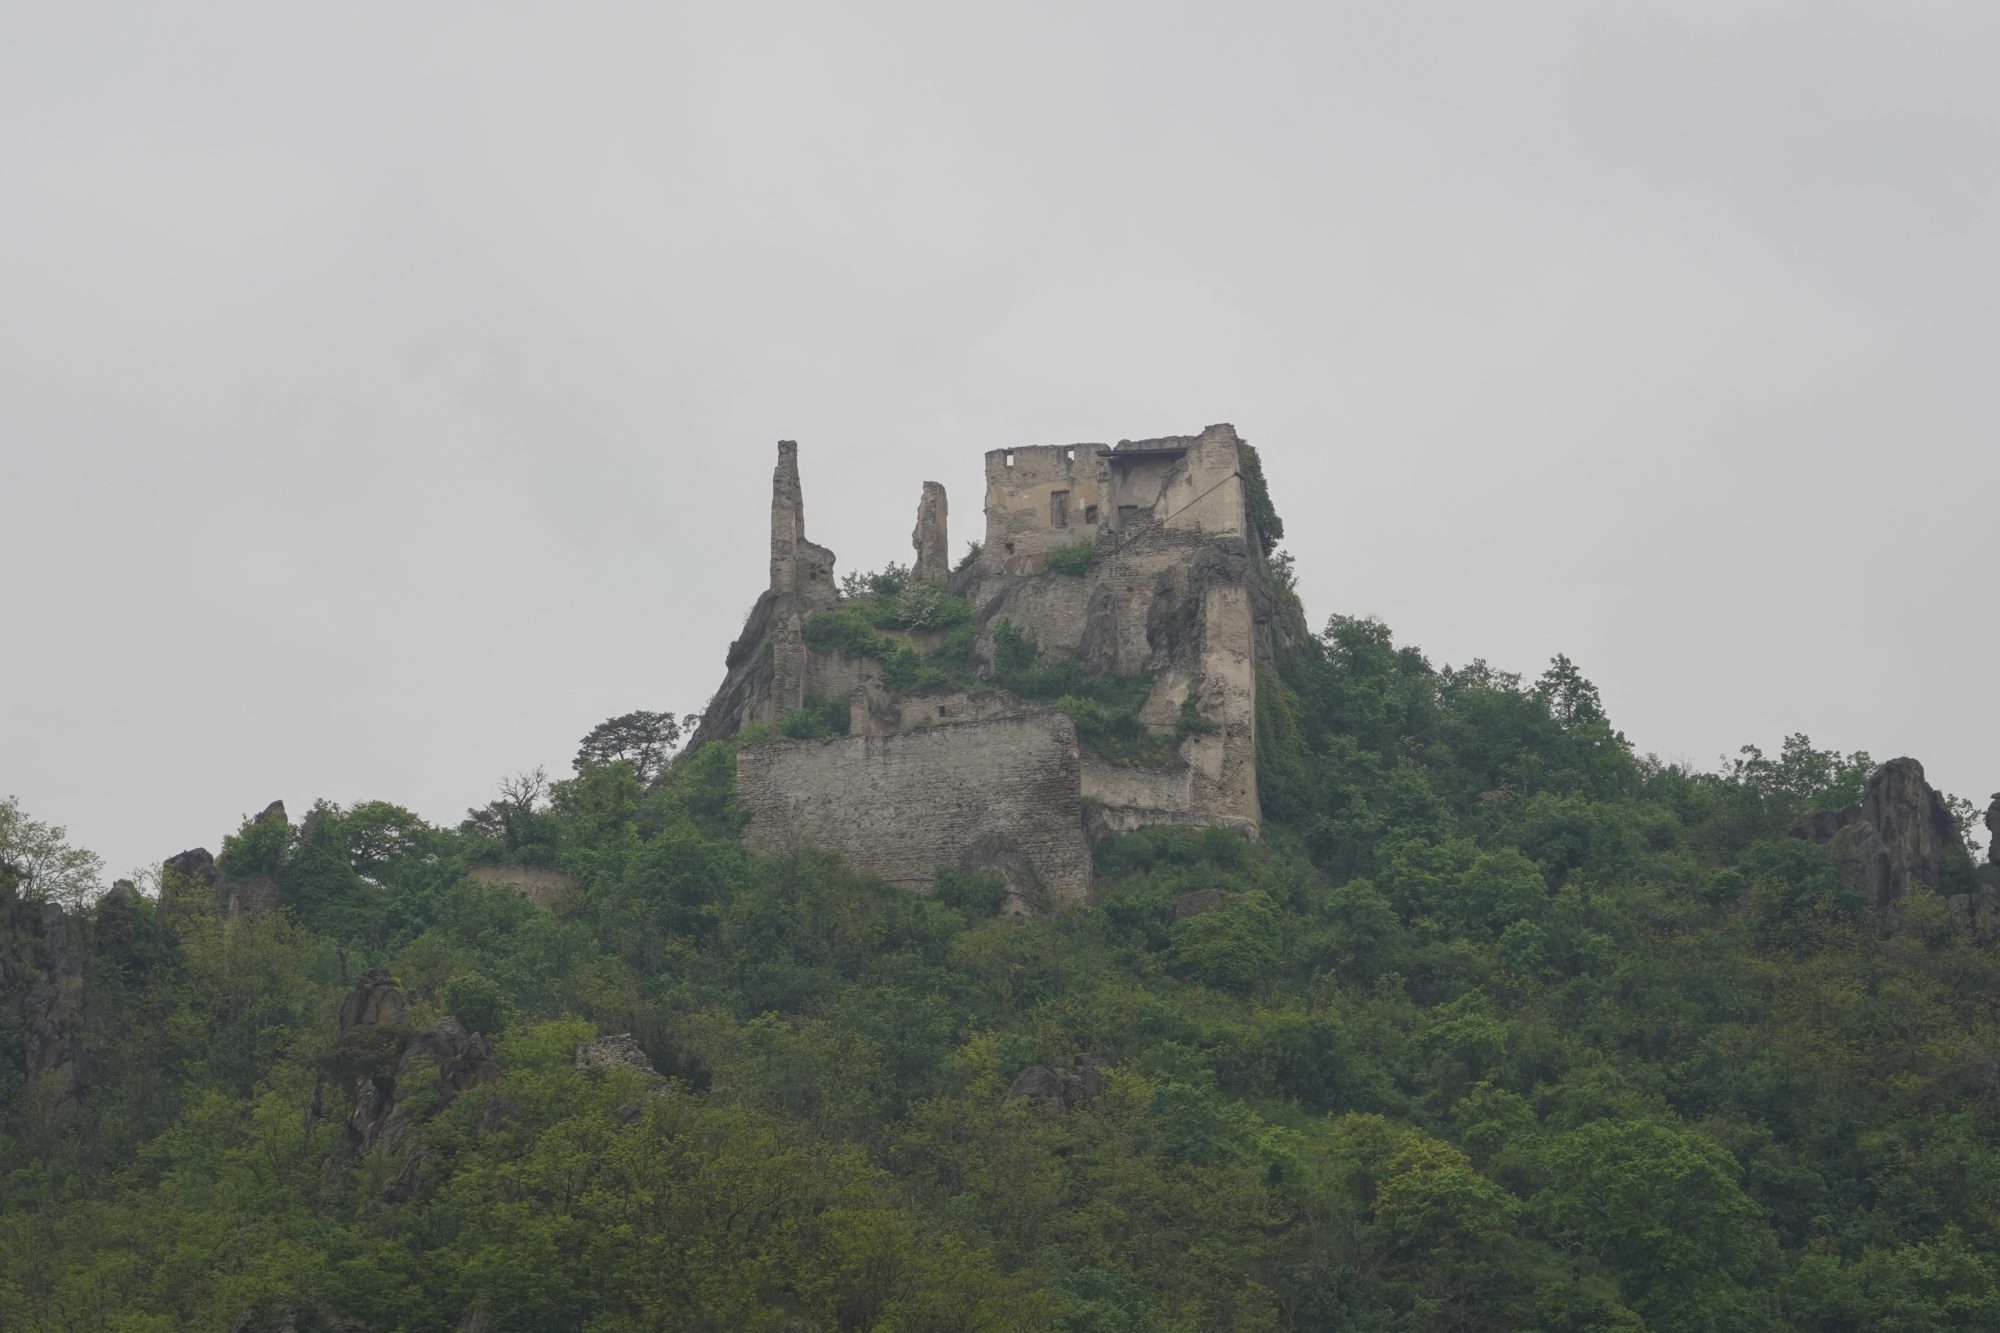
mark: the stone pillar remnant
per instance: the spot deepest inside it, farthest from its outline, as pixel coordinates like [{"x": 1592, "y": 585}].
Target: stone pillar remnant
[{"x": 933, "y": 545}]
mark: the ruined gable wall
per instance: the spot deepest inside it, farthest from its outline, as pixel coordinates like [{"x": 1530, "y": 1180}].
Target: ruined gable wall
[
  {"x": 900, "y": 806},
  {"x": 1021, "y": 490}
]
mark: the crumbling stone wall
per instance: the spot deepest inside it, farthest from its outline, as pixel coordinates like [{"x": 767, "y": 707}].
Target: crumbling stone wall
[
  {"x": 1175, "y": 586},
  {"x": 1047, "y": 496},
  {"x": 903, "y": 805},
  {"x": 931, "y": 537},
  {"x": 1178, "y": 588}
]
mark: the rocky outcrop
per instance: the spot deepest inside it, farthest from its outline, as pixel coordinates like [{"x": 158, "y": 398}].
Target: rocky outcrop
[
  {"x": 255, "y": 894},
  {"x": 377, "y": 999},
  {"x": 190, "y": 881},
  {"x": 1899, "y": 833},
  {"x": 1022, "y": 893},
  {"x": 187, "y": 882},
  {"x": 395, "y": 1079},
  {"x": 618, "y": 1051},
  {"x": 1060, "y": 1089},
  {"x": 42, "y": 953}
]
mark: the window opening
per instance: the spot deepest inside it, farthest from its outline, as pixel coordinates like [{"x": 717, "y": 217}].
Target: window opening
[{"x": 1058, "y": 509}]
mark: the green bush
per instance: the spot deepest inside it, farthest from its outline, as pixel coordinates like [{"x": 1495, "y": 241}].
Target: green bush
[
  {"x": 904, "y": 669},
  {"x": 1113, "y": 733},
  {"x": 847, "y": 630},
  {"x": 929, "y": 606},
  {"x": 478, "y": 1002},
  {"x": 820, "y": 718},
  {"x": 1075, "y": 559},
  {"x": 1191, "y": 722},
  {"x": 1230, "y": 947}
]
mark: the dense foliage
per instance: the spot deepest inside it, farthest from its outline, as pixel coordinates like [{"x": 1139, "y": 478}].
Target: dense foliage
[{"x": 1501, "y": 1026}]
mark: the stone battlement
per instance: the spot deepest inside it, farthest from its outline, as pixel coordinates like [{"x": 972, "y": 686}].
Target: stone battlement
[{"x": 1137, "y": 562}]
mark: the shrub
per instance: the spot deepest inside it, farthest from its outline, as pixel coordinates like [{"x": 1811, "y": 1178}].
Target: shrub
[
  {"x": 845, "y": 630},
  {"x": 887, "y": 581},
  {"x": 1074, "y": 560},
  {"x": 1191, "y": 722},
  {"x": 820, "y": 718},
  {"x": 929, "y": 606},
  {"x": 1114, "y": 733},
  {"x": 1231, "y": 947},
  {"x": 477, "y": 1002}
]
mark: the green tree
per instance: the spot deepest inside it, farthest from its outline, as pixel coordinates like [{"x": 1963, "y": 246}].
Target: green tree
[
  {"x": 642, "y": 739},
  {"x": 1661, "y": 1208},
  {"x": 477, "y": 1002},
  {"x": 39, "y": 862}
]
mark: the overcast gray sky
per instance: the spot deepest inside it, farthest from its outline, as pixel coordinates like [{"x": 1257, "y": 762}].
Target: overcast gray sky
[{"x": 388, "y": 392}]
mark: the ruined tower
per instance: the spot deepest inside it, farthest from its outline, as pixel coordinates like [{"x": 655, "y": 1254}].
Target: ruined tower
[
  {"x": 933, "y": 564},
  {"x": 1135, "y": 566}
]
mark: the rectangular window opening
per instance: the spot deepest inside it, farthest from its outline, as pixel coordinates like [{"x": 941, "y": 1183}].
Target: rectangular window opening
[
  {"x": 1090, "y": 513},
  {"x": 1058, "y": 509}
]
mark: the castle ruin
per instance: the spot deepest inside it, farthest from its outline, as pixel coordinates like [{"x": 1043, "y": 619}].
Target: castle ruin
[{"x": 1137, "y": 565}]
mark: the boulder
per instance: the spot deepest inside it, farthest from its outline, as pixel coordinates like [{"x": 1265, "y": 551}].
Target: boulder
[
  {"x": 1063, "y": 1088},
  {"x": 1899, "y": 833}
]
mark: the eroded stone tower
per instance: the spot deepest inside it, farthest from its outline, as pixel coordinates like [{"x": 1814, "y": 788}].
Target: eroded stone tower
[{"x": 1134, "y": 572}]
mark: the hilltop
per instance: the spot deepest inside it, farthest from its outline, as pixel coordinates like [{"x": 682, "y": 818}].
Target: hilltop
[{"x": 1474, "y": 1017}]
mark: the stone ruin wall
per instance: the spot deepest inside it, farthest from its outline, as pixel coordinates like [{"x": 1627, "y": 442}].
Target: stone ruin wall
[
  {"x": 1178, "y": 588},
  {"x": 1174, "y": 591},
  {"x": 976, "y": 795}
]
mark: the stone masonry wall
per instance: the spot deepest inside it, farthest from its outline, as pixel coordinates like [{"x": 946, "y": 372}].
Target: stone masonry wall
[{"x": 903, "y": 805}]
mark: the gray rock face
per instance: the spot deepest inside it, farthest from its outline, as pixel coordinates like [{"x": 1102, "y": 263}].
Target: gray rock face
[
  {"x": 1062, "y": 1089},
  {"x": 998, "y": 855},
  {"x": 376, "y": 998},
  {"x": 187, "y": 882},
  {"x": 432, "y": 1066},
  {"x": 1899, "y": 833}
]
